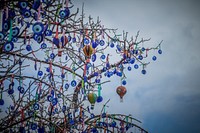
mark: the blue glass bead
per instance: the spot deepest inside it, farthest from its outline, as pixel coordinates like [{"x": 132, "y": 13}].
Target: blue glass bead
[
  {"x": 52, "y": 55},
  {"x": 43, "y": 46},
  {"x": 85, "y": 78},
  {"x": 10, "y": 91},
  {"x": 36, "y": 106},
  {"x": 92, "y": 115},
  {"x": 21, "y": 90},
  {"x": 28, "y": 47},
  {"x": 38, "y": 28},
  {"x": 124, "y": 82},
  {"x": 113, "y": 124},
  {"x": 2, "y": 36},
  {"x": 49, "y": 98},
  {"x": 94, "y": 44},
  {"x": 66, "y": 86},
  {"x": 86, "y": 41},
  {"x": 48, "y": 33},
  {"x": 144, "y": 71},
  {"x": 26, "y": 13},
  {"x": 39, "y": 38},
  {"x": 40, "y": 73},
  {"x": 63, "y": 76},
  {"x": 33, "y": 126},
  {"x": 143, "y": 49},
  {"x": 103, "y": 115},
  {"x": 64, "y": 108},
  {"x": 140, "y": 57},
  {"x": 129, "y": 68},
  {"x": 54, "y": 101},
  {"x": 99, "y": 99},
  {"x": 118, "y": 47},
  {"x": 71, "y": 122},
  {"x": 112, "y": 45},
  {"x": 1, "y": 102},
  {"x": 132, "y": 60},
  {"x": 36, "y": 4},
  {"x": 136, "y": 66},
  {"x": 22, "y": 5},
  {"x": 9, "y": 46},
  {"x": 64, "y": 13},
  {"x": 103, "y": 57},
  {"x": 41, "y": 130},
  {"x": 154, "y": 58},
  {"x": 74, "y": 39},
  {"x": 69, "y": 38},
  {"x": 160, "y": 51},
  {"x": 47, "y": 69},
  {"x": 15, "y": 32},
  {"x": 94, "y": 57},
  {"x": 73, "y": 83},
  {"x": 101, "y": 42}
]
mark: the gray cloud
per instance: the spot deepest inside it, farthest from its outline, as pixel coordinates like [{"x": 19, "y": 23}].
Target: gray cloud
[{"x": 167, "y": 98}]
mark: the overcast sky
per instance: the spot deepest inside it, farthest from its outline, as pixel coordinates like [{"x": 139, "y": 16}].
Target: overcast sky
[{"x": 167, "y": 98}]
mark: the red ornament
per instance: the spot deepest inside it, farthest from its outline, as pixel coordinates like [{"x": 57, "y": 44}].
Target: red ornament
[{"x": 121, "y": 91}]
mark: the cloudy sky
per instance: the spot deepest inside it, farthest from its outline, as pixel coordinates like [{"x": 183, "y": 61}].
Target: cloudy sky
[{"x": 167, "y": 98}]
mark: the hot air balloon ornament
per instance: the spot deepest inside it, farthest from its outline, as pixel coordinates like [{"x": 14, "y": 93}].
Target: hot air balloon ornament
[
  {"x": 88, "y": 50},
  {"x": 121, "y": 91},
  {"x": 92, "y": 97}
]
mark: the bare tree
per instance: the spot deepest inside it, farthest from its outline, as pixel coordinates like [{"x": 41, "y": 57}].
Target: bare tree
[{"x": 53, "y": 60}]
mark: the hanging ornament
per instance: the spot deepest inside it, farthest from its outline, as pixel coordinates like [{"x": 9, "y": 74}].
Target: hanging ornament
[
  {"x": 36, "y": 4},
  {"x": 38, "y": 28},
  {"x": 2, "y": 36},
  {"x": 88, "y": 50},
  {"x": 64, "y": 13},
  {"x": 99, "y": 98},
  {"x": 15, "y": 32},
  {"x": 92, "y": 97},
  {"x": 22, "y": 5},
  {"x": 9, "y": 46},
  {"x": 56, "y": 41},
  {"x": 121, "y": 91}
]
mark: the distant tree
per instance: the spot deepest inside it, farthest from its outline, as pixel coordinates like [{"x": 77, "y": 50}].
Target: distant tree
[{"x": 53, "y": 61}]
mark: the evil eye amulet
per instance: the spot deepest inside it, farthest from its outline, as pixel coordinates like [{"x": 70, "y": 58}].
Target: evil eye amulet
[
  {"x": 2, "y": 36},
  {"x": 73, "y": 83},
  {"x": 28, "y": 47},
  {"x": 66, "y": 86},
  {"x": 38, "y": 37},
  {"x": 54, "y": 101},
  {"x": 33, "y": 126},
  {"x": 101, "y": 42},
  {"x": 22, "y": 5},
  {"x": 48, "y": 33},
  {"x": 26, "y": 13},
  {"x": 40, "y": 73},
  {"x": 154, "y": 58},
  {"x": 15, "y": 32},
  {"x": 9, "y": 46},
  {"x": 38, "y": 28},
  {"x": 144, "y": 71},
  {"x": 64, "y": 13},
  {"x": 160, "y": 51},
  {"x": 86, "y": 41},
  {"x": 94, "y": 57},
  {"x": 1, "y": 102},
  {"x": 43, "y": 46},
  {"x": 6, "y": 25},
  {"x": 36, "y": 106}
]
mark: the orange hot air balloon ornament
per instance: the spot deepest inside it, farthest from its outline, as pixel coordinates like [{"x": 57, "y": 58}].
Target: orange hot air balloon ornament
[
  {"x": 92, "y": 97},
  {"x": 121, "y": 91}
]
